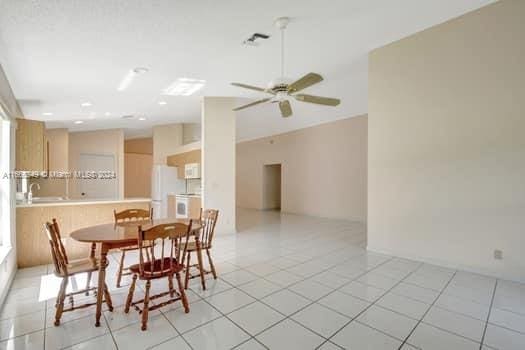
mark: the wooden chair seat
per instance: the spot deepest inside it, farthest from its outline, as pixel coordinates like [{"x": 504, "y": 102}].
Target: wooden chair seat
[
  {"x": 65, "y": 268},
  {"x": 81, "y": 266},
  {"x": 171, "y": 241},
  {"x": 160, "y": 269},
  {"x": 193, "y": 247}
]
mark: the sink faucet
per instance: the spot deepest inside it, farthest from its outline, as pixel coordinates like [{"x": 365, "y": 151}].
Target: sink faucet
[{"x": 30, "y": 194}]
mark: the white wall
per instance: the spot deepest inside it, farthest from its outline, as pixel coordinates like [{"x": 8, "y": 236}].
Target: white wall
[
  {"x": 218, "y": 159},
  {"x": 324, "y": 169},
  {"x": 446, "y": 143}
]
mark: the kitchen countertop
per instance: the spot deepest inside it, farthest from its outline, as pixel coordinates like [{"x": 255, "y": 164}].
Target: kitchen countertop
[
  {"x": 191, "y": 195},
  {"x": 46, "y": 203}
]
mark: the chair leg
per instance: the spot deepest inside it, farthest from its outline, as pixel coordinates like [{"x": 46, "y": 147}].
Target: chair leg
[
  {"x": 120, "y": 268},
  {"x": 130, "y": 293},
  {"x": 60, "y": 302},
  {"x": 88, "y": 282},
  {"x": 187, "y": 277},
  {"x": 212, "y": 267},
  {"x": 107, "y": 296},
  {"x": 183, "y": 296},
  {"x": 145, "y": 310},
  {"x": 170, "y": 285}
]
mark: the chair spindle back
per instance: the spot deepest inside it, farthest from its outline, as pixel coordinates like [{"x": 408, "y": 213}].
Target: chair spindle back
[
  {"x": 133, "y": 214},
  {"x": 171, "y": 243},
  {"x": 208, "y": 218},
  {"x": 58, "y": 251}
]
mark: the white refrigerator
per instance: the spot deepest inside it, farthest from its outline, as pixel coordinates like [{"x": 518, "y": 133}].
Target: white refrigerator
[{"x": 164, "y": 182}]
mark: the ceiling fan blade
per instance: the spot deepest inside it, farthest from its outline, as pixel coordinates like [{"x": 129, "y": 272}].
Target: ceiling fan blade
[
  {"x": 252, "y": 104},
  {"x": 286, "y": 109},
  {"x": 327, "y": 101},
  {"x": 249, "y": 87},
  {"x": 306, "y": 81}
]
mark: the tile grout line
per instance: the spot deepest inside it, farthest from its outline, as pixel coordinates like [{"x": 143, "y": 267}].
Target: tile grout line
[
  {"x": 372, "y": 304},
  {"x": 282, "y": 288},
  {"x": 426, "y": 312},
  {"x": 488, "y": 316},
  {"x": 311, "y": 302},
  {"x": 309, "y": 278},
  {"x": 110, "y": 331}
]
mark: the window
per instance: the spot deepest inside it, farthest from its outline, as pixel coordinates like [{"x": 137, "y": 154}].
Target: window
[{"x": 5, "y": 183}]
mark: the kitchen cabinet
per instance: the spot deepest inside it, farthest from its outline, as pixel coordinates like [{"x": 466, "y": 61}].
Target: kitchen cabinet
[
  {"x": 181, "y": 159},
  {"x": 56, "y": 142},
  {"x": 194, "y": 210},
  {"x": 31, "y": 146}
]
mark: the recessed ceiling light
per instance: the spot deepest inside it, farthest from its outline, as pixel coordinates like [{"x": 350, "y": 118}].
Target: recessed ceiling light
[
  {"x": 47, "y": 114},
  {"x": 79, "y": 122},
  {"x": 162, "y": 103},
  {"x": 107, "y": 114},
  {"x": 184, "y": 87},
  {"x": 86, "y": 104},
  {"x": 142, "y": 118},
  {"x": 129, "y": 77}
]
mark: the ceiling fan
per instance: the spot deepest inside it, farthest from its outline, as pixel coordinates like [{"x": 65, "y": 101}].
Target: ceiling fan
[{"x": 283, "y": 89}]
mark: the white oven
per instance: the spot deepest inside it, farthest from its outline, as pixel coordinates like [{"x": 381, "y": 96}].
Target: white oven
[{"x": 182, "y": 206}]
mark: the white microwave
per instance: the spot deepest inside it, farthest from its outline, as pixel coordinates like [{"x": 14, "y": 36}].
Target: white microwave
[{"x": 192, "y": 171}]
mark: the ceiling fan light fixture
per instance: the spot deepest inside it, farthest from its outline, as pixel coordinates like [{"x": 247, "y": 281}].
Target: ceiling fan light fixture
[{"x": 284, "y": 89}]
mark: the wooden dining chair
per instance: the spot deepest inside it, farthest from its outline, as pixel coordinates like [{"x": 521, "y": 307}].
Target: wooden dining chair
[
  {"x": 171, "y": 244},
  {"x": 208, "y": 220},
  {"x": 123, "y": 216},
  {"x": 65, "y": 269}
]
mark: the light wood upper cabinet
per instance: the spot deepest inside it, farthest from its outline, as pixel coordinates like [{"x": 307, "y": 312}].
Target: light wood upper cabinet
[
  {"x": 30, "y": 145},
  {"x": 181, "y": 159},
  {"x": 57, "y": 143}
]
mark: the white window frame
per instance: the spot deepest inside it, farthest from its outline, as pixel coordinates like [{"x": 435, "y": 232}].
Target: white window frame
[{"x": 5, "y": 188}]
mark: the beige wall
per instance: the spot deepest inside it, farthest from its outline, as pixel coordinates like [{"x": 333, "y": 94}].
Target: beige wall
[
  {"x": 323, "y": 169},
  {"x": 97, "y": 142},
  {"x": 446, "y": 143},
  {"x": 166, "y": 139},
  {"x": 191, "y": 132},
  {"x": 218, "y": 160}
]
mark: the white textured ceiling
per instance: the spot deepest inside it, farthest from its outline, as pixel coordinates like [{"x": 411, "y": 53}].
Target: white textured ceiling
[{"x": 58, "y": 54}]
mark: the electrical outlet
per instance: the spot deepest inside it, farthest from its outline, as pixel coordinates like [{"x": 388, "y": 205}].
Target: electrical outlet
[{"x": 498, "y": 254}]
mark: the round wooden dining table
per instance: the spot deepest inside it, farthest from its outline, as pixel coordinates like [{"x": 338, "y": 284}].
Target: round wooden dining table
[{"x": 124, "y": 234}]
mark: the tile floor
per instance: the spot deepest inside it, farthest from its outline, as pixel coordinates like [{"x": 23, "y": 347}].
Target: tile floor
[{"x": 287, "y": 282}]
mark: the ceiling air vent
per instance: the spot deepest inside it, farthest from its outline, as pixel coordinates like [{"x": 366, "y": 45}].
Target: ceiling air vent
[{"x": 128, "y": 116}]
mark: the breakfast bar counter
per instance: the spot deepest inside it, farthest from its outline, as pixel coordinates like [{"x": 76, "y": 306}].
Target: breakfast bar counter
[{"x": 32, "y": 243}]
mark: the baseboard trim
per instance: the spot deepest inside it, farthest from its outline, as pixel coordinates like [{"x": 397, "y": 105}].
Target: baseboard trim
[{"x": 447, "y": 264}]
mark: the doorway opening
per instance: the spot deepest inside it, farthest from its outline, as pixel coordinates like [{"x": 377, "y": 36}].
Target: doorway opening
[{"x": 271, "y": 197}]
